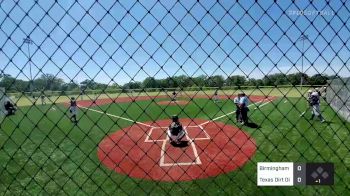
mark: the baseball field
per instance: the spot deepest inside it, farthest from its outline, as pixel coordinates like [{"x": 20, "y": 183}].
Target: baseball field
[{"x": 119, "y": 146}]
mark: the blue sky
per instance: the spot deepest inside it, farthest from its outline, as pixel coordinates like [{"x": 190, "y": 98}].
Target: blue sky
[{"x": 132, "y": 40}]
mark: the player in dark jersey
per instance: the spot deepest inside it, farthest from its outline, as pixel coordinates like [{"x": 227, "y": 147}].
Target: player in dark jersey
[
  {"x": 73, "y": 109},
  {"x": 243, "y": 104},
  {"x": 176, "y": 132},
  {"x": 173, "y": 98}
]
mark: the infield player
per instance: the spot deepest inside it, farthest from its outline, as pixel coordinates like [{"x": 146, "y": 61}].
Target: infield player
[
  {"x": 43, "y": 102},
  {"x": 175, "y": 131},
  {"x": 34, "y": 100},
  {"x": 215, "y": 96},
  {"x": 82, "y": 92},
  {"x": 73, "y": 109},
  {"x": 315, "y": 104},
  {"x": 174, "y": 94}
]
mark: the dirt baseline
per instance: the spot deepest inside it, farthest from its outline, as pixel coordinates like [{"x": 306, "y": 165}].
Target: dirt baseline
[
  {"x": 88, "y": 103},
  {"x": 179, "y": 102}
]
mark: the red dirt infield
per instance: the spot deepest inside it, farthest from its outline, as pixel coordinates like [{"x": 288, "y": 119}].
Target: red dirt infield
[
  {"x": 145, "y": 152},
  {"x": 179, "y": 102},
  {"x": 88, "y": 103}
]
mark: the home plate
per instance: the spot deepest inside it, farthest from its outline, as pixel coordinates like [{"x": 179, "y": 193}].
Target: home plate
[{"x": 184, "y": 155}]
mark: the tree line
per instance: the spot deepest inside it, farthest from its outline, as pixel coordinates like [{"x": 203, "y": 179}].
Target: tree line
[
  {"x": 53, "y": 83},
  {"x": 236, "y": 80}
]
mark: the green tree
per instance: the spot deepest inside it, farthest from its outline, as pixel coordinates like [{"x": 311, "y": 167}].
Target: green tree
[
  {"x": 294, "y": 79},
  {"x": 236, "y": 80},
  {"x": 199, "y": 81},
  {"x": 12, "y": 84},
  {"x": 215, "y": 81},
  {"x": 275, "y": 79},
  {"x": 318, "y": 79},
  {"x": 132, "y": 85},
  {"x": 150, "y": 82},
  {"x": 71, "y": 86},
  {"x": 181, "y": 81},
  {"x": 88, "y": 84}
]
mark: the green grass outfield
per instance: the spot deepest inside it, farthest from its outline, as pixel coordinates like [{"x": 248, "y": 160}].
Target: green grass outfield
[{"x": 43, "y": 153}]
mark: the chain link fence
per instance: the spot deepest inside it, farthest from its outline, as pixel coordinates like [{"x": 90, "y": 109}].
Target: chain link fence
[
  {"x": 2, "y": 101},
  {"x": 146, "y": 97},
  {"x": 338, "y": 96}
]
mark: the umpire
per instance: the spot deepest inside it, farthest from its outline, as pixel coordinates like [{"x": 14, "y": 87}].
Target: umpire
[
  {"x": 243, "y": 103},
  {"x": 238, "y": 109}
]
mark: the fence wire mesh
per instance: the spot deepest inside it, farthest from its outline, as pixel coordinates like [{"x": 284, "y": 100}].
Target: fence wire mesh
[
  {"x": 92, "y": 91},
  {"x": 338, "y": 96}
]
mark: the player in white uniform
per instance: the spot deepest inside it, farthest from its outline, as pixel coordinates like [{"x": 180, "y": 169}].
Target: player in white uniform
[
  {"x": 43, "y": 102},
  {"x": 315, "y": 104}
]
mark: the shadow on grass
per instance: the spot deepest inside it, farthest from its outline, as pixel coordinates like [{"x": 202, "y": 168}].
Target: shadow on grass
[{"x": 252, "y": 125}]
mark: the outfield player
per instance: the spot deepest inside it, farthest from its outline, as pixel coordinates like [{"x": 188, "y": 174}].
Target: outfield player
[
  {"x": 315, "y": 104},
  {"x": 73, "y": 109},
  {"x": 176, "y": 132}
]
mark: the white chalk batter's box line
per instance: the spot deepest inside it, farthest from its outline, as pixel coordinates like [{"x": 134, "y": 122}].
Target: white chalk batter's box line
[
  {"x": 207, "y": 137},
  {"x": 162, "y": 163}
]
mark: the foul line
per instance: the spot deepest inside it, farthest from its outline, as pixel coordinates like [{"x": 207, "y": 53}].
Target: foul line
[
  {"x": 217, "y": 118},
  {"x": 112, "y": 115},
  {"x": 147, "y": 125}
]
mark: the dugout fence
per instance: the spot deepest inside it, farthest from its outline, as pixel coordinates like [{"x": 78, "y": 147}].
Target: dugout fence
[
  {"x": 98, "y": 84},
  {"x": 2, "y": 101},
  {"x": 338, "y": 96}
]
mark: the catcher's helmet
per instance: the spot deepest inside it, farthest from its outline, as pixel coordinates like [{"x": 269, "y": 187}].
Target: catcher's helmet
[{"x": 175, "y": 118}]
